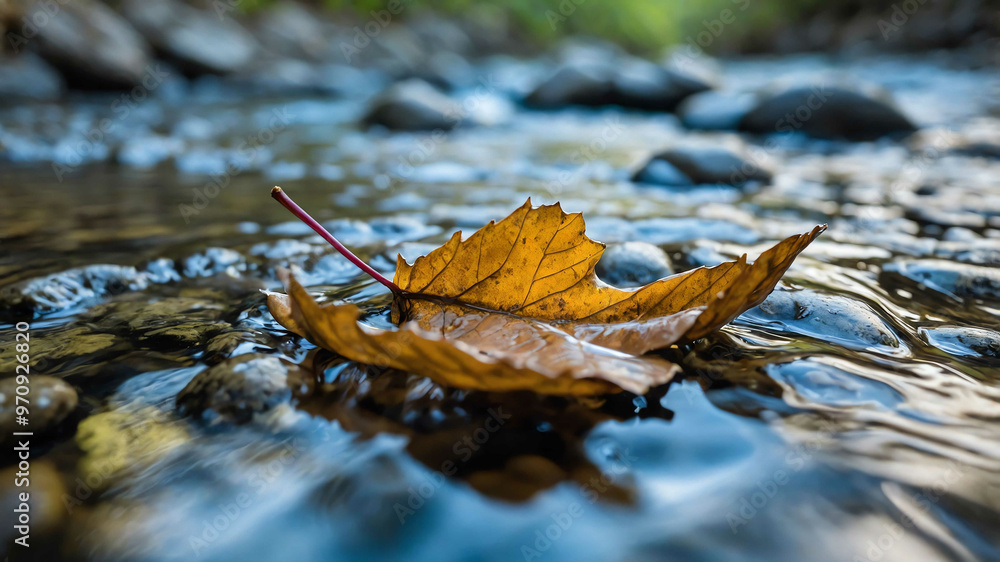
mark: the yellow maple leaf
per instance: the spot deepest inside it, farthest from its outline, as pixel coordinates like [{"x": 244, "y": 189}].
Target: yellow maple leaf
[{"x": 517, "y": 306}]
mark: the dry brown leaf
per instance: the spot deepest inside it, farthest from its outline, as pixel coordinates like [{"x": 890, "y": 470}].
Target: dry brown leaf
[{"x": 517, "y": 305}]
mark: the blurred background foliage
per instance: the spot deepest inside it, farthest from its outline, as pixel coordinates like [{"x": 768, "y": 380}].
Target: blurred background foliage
[{"x": 645, "y": 26}]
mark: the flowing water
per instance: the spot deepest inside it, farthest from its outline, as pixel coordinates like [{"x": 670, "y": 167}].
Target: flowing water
[{"x": 854, "y": 416}]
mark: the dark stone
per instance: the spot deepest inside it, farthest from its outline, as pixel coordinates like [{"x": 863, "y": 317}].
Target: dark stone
[
  {"x": 242, "y": 386},
  {"x": 91, "y": 45},
  {"x": 28, "y": 77},
  {"x": 413, "y": 105},
  {"x": 827, "y": 113},
  {"x": 635, "y": 84},
  {"x": 52, "y": 400},
  {"x": 633, "y": 264},
  {"x": 693, "y": 166},
  {"x": 197, "y": 41}
]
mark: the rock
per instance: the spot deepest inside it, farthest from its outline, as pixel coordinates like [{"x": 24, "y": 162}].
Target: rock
[
  {"x": 51, "y": 401},
  {"x": 958, "y": 279},
  {"x": 91, "y": 45},
  {"x": 694, "y": 166},
  {"x": 413, "y": 105},
  {"x": 828, "y": 113},
  {"x": 632, "y": 83},
  {"x": 197, "y": 41},
  {"x": 28, "y": 77},
  {"x": 964, "y": 341},
  {"x": 830, "y": 318},
  {"x": 62, "y": 290},
  {"x": 633, "y": 264},
  {"x": 215, "y": 261},
  {"x": 290, "y": 29},
  {"x": 819, "y": 383},
  {"x": 715, "y": 111},
  {"x": 242, "y": 386},
  {"x": 178, "y": 322}
]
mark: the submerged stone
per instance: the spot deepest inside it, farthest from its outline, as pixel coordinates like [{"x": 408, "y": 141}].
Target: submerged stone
[
  {"x": 964, "y": 341},
  {"x": 958, "y": 279},
  {"x": 632, "y": 83},
  {"x": 826, "y": 317},
  {"x": 51, "y": 401},
  {"x": 694, "y": 166},
  {"x": 633, "y": 264},
  {"x": 413, "y": 105},
  {"x": 826, "y": 112},
  {"x": 242, "y": 386}
]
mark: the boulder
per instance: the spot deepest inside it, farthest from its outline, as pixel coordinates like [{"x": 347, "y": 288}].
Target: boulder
[
  {"x": 633, "y": 83},
  {"x": 197, "y": 41},
  {"x": 826, "y": 112},
  {"x": 413, "y": 105},
  {"x": 91, "y": 45},
  {"x": 693, "y": 166}
]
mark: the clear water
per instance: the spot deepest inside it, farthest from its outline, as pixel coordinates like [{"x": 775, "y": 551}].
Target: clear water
[{"x": 782, "y": 440}]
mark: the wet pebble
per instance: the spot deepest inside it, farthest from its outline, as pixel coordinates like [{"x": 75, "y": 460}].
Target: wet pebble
[
  {"x": 70, "y": 287},
  {"x": 52, "y": 400},
  {"x": 964, "y": 341},
  {"x": 826, "y": 112},
  {"x": 242, "y": 386},
  {"x": 820, "y": 383},
  {"x": 177, "y": 321},
  {"x": 692, "y": 166},
  {"x": 28, "y": 77},
  {"x": 958, "y": 279},
  {"x": 215, "y": 261},
  {"x": 91, "y": 44},
  {"x": 633, "y": 264},
  {"x": 629, "y": 82},
  {"x": 413, "y": 105},
  {"x": 825, "y": 317},
  {"x": 198, "y": 41}
]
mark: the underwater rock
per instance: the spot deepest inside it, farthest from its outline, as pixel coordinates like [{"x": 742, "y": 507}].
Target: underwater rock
[
  {"x": 964, "y": 341},
  {"x": 239, "y": 387},
  {"x": 958, "y": 279},
  {"x": 68, "y": 288},
  {"x": 632, "y": 83},
  {"x": 89, "y": 44},
  {"x": 413, "y": 105},
  {"x": 28, "y": 77},
  {"x": 831, "y": 318},
  {"x": 633, "y": 264},
  {"x": 51, "y": 401},
  {"x": 197, "y": 41},
  {"x": 693, "y": 166},
  {"x": 826, "y": 112}
]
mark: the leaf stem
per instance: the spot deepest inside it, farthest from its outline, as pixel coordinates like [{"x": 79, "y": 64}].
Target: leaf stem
[{"x": 303, "y": 216}]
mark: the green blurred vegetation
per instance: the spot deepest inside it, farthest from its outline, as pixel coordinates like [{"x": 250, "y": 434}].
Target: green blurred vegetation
[{"x": 637, "y": 25}]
